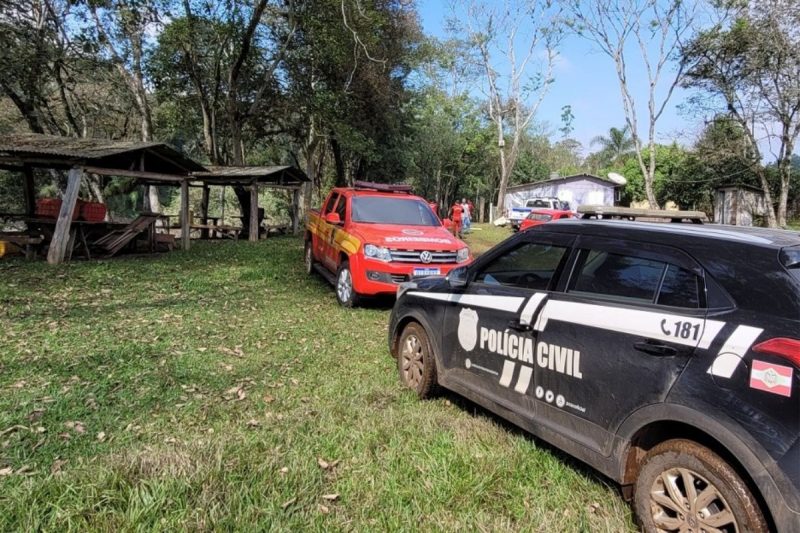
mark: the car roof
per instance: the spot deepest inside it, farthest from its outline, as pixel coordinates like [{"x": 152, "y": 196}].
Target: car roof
[
  {"x": 350, "y": 191},
  {"x": 675, "y": 233}
]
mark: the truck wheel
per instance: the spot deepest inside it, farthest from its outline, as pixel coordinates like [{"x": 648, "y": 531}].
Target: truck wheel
[
  {"x": 683, "y": 486},
  {"x": 308, "y": 258},
  {"x": 416, "y": 362},
  {"x": 345, "y": 291}
]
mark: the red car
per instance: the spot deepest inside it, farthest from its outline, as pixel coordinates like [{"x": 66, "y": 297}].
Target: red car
[
  {"x": 541, "y": 216},
  {"x": 368, "y": 239}
]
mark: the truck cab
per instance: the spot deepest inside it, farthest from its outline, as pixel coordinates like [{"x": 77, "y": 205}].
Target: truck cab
[
  {"x": 518, "y": 214},
  {"x": 369, "y": 238}
]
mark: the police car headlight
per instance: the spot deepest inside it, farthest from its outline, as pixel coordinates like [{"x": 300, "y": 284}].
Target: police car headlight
[
  {"x": 462, "y": 255},
  {"x": 377, "y": 252}
]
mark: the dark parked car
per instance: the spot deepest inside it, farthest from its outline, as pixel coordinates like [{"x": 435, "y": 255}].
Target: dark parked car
[{"x": 666, "y": 356}]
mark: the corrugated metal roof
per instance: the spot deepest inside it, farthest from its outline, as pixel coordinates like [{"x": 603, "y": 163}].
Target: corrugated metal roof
[
  {"x": 82, "y": 148},
  {"x": 261, "y": 174},
  {"x": 535, "y": 184},
  {"x": 86, "y": 150}
]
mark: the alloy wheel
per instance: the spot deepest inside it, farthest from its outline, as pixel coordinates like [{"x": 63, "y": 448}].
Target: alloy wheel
[{"x": 683, "y": 500}]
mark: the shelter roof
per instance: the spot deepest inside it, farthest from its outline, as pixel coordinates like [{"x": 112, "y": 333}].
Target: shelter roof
[
  {"x": 52, "y": 151},
  {"x": 276, "y": 175}
]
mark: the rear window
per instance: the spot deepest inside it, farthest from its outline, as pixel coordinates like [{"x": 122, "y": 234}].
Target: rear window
[
  {"x": 540, "y": 216},
  {"x": 637, "y": 279},
  {"x": 402, "y": 211},
  {"x": 790, "y": 258},
  {"x": 619, "y": 276}
]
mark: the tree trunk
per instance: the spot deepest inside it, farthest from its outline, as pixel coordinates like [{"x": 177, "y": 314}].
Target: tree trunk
[{"x": 341, "y": 178}]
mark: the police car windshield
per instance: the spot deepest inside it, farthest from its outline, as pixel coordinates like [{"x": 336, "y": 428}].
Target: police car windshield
[{"x": 402, "y": 211}]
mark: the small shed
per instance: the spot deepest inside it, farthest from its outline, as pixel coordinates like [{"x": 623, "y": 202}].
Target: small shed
[
  {"x": 145, "y": 161},
  {"x": 738, "y": 205},
  {"x": 576, "y": 190},
  {"x": 253, "y": 178}
]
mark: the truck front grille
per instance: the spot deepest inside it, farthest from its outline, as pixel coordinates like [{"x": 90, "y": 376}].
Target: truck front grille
[{"x": 413, "y": 256}]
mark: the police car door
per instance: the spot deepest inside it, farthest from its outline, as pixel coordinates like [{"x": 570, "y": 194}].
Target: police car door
[
  {"x": 489, "y": 343},
  {"x": 617, "y": 337}
]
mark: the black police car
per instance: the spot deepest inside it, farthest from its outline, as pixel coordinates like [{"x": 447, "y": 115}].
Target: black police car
[{"x": 666, "y": 356}]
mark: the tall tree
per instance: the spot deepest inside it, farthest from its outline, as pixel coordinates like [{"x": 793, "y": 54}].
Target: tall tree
[
  {"x": 122, "y": 28},
  {"x": 514, "y": 87},
  {"x": 750, "y": 62},
  {"x": 653, "y": 31}
]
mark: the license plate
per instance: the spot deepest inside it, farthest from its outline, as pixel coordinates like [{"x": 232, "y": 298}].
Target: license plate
[{"x": 418, "y": 272}]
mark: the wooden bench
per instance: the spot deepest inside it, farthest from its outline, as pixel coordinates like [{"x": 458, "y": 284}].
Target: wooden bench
[{"x": 23, "y": 240}]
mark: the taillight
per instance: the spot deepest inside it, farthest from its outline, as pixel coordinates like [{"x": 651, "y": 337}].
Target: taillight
[{"x": 789, "y": 349}]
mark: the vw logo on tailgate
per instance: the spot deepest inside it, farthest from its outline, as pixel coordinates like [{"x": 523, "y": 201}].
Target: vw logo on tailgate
[{"x": 426, "y": 257}]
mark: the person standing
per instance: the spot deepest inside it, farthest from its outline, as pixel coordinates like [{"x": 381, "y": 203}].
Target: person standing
[
  {"x": 456, "y": 215},
  {"x": 466, "y": 215}
]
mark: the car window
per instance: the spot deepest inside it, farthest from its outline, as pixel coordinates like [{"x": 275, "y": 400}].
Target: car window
[
  {"x": 330, "y": 203},
  {"x": 538, "y": 203},
  {"x": 619, "y": 276},
  {"x": 341, "y": 208},
  {"x": 680, "y": 288},
  {"x": 540, "y": 216},
  {"x": 529, "y": 266}
]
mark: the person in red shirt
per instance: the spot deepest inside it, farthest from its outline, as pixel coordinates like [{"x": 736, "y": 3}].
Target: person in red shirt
[{"x": 456, "y": 213}]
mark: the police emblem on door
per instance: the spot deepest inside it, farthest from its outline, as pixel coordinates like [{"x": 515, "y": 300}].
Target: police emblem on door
[{"x": 468, "y": 329}]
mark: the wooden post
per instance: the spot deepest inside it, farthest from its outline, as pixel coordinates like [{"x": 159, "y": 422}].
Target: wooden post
[
  {"x": 296, "y": 210},
  {"x": 481, "y": 206},
  {"x": 185, "y": 215},
  {"x": 253, "y": 228},
  {"x": 30, "y": 192},
  {"x": 204, "y": 211},
  {"x": 61, "y": 235}
]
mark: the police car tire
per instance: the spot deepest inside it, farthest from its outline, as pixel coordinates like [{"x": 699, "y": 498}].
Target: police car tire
[
  {"x": 426, "y": 386},
  {"x": 308, "y": 258},
  {"x": 686, "y": 454},
  {"x": 354, "y": 298}
]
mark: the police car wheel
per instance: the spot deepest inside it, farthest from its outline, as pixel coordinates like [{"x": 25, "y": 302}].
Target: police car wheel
[
  {"x": 416, "y": 362},
  {"x": 308, "y": 258},
  {"x": 683, "y": 486},
  {"x": 345, "y": 291}
]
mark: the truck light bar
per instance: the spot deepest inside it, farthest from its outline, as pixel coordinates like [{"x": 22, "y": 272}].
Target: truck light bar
[
  {"x": 382, "y": 187},
  {"x": 630, "y": 213}
]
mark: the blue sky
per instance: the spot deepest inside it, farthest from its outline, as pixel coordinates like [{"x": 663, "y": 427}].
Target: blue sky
[{"x": 586, "y": 80}]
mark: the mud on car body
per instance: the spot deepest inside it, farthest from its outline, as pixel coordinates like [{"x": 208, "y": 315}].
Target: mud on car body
[{"x": 666, "y": 356}]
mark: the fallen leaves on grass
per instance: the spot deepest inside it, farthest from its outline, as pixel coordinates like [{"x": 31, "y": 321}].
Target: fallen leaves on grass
[
  {"x": 325, "y": 465},
  {"x": 253, "y": 423},
  {"x": 235, "y": 393},
  {"x": 330, "y": 497},
  {"x": 288, "y": 503},
  {"x": 101, "y": 437},
  {"x": 76, "y": 426},
  {"x": 323, "y": 509}
]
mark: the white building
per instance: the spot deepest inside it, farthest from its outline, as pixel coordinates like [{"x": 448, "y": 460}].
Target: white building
[{"x": 581, "y": 189}]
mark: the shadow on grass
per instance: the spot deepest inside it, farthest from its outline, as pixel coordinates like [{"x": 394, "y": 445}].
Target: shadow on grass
[{"x": 580, "y": 467}]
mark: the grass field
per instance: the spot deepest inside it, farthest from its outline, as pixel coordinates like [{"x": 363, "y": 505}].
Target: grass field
[
  {"x": 222, "y": 389},
  {"x": 484, "y": 236}
]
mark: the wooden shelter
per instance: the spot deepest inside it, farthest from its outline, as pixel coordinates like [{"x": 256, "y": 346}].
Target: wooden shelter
[
  {"x": 152, "y": 162},
  {"x": 253, "y": 178}
]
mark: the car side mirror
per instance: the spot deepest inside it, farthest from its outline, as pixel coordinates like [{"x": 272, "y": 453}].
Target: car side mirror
[
  {"x": 457, "y": 277},
  {"x": 333, "y": 218}
]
